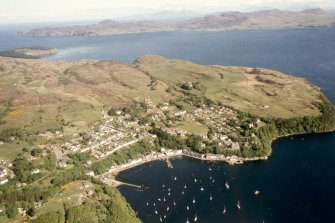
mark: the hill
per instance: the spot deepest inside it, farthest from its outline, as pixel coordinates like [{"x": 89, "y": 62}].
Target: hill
[
  {"x": 39, "y": 95},
  {"x": 267, "y": 19}
]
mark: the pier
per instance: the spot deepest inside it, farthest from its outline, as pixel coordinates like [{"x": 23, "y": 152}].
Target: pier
[
  {"x": 169, "y": 164},
  {"x": 116, "y": 183}
]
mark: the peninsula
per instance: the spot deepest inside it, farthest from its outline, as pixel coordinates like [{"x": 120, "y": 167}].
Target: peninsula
[
  {"x": 266, "y": 19},
  {"x": 67, "y": 127},
  {"x": 29, "y": 52}
]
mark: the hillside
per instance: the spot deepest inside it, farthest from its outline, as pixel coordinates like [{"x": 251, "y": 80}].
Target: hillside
[
  {"x": 268, "y": 19},
  {"x": 39, "y": 95}
]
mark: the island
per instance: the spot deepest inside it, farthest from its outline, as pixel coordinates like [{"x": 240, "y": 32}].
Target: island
[
  {"x": 68, "y": 127},
  {"x": 265, "y": 19},
  {"x": 29, "y": 52}
]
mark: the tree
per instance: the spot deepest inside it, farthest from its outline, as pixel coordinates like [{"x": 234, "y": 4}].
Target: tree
[
  {"x": 50, "y": 217},
  {"x": 11, "y": 210},
  {"x": 50, "y": 162},
  {"x": 31, "y": 211},
  {"x": 82, "y": 214}
]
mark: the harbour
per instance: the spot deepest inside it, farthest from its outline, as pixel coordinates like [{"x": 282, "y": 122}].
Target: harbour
[{"x": 239, "y": 193}]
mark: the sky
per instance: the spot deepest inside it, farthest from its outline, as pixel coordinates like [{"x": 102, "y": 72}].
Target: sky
[{"x": 25, "y": 11}]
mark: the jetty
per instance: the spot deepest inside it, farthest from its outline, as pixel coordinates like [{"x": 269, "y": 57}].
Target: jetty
[
  {"x": 169, "y": 164},
  {"x": 116, "y": 183}
]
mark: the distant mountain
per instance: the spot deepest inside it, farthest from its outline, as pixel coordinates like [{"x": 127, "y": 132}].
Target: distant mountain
[{"x": 266, "y": 19}]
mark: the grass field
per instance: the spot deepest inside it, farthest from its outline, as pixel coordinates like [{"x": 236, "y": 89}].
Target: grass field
[{"x": 193, "y": 127}]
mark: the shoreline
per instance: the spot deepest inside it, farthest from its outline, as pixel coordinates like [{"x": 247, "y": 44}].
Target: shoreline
[
  {"x": 168, "y": 154},
  {"x": 231, "y": 160}
]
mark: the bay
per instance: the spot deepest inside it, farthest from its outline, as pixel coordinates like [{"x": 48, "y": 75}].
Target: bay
[{"x": 296, "y": 184}]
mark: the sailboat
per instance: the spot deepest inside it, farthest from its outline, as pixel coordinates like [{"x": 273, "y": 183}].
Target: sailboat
[
  {"x": 227, "y": 185},
  {"x": 238, "y": 205}
]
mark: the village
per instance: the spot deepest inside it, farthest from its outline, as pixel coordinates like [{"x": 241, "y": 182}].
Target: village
[{"x": 121, "y": 130}]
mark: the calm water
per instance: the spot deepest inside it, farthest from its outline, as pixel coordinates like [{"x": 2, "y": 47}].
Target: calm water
[{"x": 297, "y": 183}]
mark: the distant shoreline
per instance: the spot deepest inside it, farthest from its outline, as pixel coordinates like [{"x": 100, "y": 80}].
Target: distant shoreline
[{"x": 266, "y": 19}]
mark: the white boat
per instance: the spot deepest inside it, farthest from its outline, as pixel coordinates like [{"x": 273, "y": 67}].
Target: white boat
[
  {"x": 147, "y": 203},
  {"x": 164, "y": 199},
  {"x": 185, "y": 186},
  {"x": 175, "y": 178},
  {"x": 187, "y": 221},
  {"x": 238, "y": 205},
  {"x": 195, "y": 218},
  {"x": 201, "y": 188},
  {"x": 193, "y": 200},
  {"x": 168, "y": 208},
  {"x": 187, "y": 207},
  {"x": 174, "y": 203},
  {"x": 156, "y": 212},
  {"x": 195, "y": 180},
  {"x": 224, "y": 210},
  {"x": 160, "y": 219},
  {"x": 182, "y": 192},
  {"x": 210, "y": 197},
  {"x": 227, "y": 185},
  {"x": 257, "y": 192},
  {"x": 159, "y": 199}
]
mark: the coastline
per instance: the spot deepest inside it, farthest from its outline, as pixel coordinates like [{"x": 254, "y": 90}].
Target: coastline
[{"x": 167, "y": 154}]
